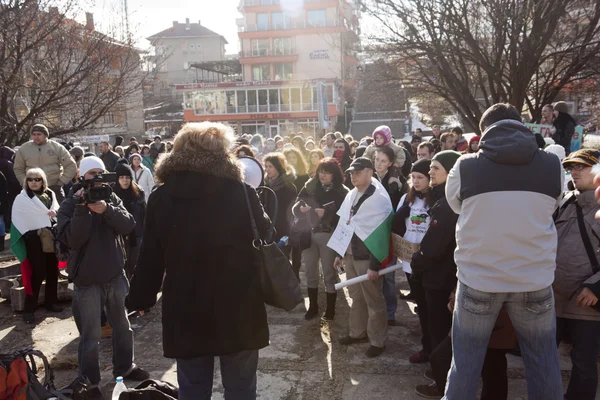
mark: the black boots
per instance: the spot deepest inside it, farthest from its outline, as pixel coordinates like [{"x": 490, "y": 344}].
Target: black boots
[
  {"x": 313, "y": 305},
  {"x": 330, "y": 312}
]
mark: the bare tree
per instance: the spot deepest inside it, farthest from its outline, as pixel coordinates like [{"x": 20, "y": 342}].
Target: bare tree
[
  {"x": 59, "y": 72},
  {"x": 474, "y": 53}
]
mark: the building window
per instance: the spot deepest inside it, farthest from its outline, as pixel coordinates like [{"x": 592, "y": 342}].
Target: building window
[
  {"x": 252, "y": 103},
  {"x": 283, "y": 72},
  {"x": 286, "y": 126},
  {"x": 273, "y": 100},
  {"x": 261, "y": 72},
  {"x": 263, "y": 100},
  {"x": 253, "y": 128},
  {"x": 282, "y": 46},
  {"x": 281, "y": 21},
  {"x": 316, "y": 18},
  {"x": 260, "y": 47},
  {"x": 262, "y": 21},
  {"x": 308, "y": 126},
  {"x": 109, "y": 118}
]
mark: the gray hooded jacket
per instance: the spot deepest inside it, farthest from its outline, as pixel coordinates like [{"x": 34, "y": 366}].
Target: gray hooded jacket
[{"x": 505, "y": 196}]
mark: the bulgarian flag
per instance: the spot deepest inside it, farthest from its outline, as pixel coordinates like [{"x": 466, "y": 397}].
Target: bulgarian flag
[
  {"x": 28, "y": 214},
  {"x": 373, "y": 221}
]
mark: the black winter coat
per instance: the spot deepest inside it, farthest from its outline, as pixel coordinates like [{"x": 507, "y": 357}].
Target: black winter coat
[
  {"x": 110, "y": 159},
  {"x": 198, "y": 231},
  {"x": 397, "y": 188},
  {"x": 434, "y": 264},
  {"x": 97, "y": 253},
  {"x": 286, "y": 195},
  {"x": 313, "y": 195}
]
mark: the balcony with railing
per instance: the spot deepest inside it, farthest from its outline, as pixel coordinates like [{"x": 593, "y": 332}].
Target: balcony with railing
[
  {"x": 258, "y": 3},
  {"x": 289, "y": 25}
]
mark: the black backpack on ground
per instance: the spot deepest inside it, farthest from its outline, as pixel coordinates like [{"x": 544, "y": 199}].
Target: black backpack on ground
[{"x": 151, "y": 390}]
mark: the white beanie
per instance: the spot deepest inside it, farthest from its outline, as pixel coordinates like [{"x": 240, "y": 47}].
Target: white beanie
[
  {"x": 557, "y": 150},
  {"x": 549, "y": 141},
  {"x": 89, "y": 163}
]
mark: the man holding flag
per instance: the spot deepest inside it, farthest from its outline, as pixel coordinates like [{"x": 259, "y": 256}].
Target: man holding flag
[{"x": 363, "y": 236}]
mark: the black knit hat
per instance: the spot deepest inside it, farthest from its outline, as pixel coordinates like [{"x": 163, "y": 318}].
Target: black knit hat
[
  {"x": 40, "y": 128},
  {"x": 447, "y": 158},
  {"x": 123, "y": 170},
  {"x": 422, "y": 166}
]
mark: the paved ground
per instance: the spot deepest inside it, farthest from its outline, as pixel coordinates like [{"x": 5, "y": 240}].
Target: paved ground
[{"x": 303, "y": 361}]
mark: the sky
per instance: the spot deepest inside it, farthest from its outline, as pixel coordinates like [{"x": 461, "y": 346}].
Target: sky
[{"x": 147, "y": 17}]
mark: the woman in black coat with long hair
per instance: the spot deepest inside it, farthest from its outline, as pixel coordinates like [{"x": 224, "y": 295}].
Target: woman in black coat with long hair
[
  {"x": 198, "y": 231},
  {"x": 280, "y": 178},
  {"x": 134, "y": 200},
  {"x": 563, "y": 126},
  {"x": 343, "y": 155}
]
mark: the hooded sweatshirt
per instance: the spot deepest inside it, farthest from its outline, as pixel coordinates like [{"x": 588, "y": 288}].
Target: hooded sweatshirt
[{"x": 505, "y": 196}]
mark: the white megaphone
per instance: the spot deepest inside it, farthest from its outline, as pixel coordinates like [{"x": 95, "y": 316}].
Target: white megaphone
[{"x": 253, "y": 171}]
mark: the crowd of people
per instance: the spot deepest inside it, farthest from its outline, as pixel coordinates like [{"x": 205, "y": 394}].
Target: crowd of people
[{"x": 499, "y": 257}]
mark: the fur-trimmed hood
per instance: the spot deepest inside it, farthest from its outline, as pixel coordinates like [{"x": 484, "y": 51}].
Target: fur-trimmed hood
[{"x": 214, "y": 163}]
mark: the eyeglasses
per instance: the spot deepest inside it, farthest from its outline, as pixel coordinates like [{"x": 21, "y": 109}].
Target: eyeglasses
[
  {"x": 576, "y": 167},
  {"x": 34, "y": 179}
]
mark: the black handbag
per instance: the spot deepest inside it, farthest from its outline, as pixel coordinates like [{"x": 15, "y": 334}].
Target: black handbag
[
  {"x": 300, "y": 232},
  {"x": 279, "y": 284}
]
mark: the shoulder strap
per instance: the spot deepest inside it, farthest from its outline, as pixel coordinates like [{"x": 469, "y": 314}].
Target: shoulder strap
[
  {"x": 570, "y": 199},
  {"x": 586, "y": 239},
  {"x": 251, "y": 214}
]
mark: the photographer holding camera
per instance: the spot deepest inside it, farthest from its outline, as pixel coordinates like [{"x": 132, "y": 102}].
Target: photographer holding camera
[{"x": 91, "y": 223}]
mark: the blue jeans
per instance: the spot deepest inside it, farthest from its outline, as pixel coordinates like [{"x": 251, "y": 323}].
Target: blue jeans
[
  {"x": 534, "y": 320},
  {"x": 584, "y": 336},
  {"x": 88, "y": 302},
  {"x": 389, "y": 292},
  {"x": 238, "y": 373}
]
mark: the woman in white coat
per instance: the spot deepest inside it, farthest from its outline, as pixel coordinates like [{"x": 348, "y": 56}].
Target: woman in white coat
[{"x": 142, "y": 175}]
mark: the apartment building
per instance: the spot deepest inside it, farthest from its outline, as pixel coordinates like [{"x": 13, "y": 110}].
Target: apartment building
[
  {"x": 178, "y": 48},
  {"x": 287, "y": 54}
]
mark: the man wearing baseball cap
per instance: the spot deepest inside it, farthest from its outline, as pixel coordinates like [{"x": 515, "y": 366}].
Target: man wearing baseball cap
[
  {"x": 368, "y": 315},
  {"x": 51, "y": 156},
  {"x": 577, "y": 276}
]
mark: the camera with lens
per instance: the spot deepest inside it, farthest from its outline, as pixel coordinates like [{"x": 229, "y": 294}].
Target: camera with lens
[{"x": 93, "y": 193}]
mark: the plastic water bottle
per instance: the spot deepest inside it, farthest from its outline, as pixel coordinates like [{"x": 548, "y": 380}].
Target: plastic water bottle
[{"x": 119, "y": 388}]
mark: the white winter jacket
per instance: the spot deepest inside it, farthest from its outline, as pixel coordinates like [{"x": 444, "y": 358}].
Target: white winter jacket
[{"x": 145, "y": 180}]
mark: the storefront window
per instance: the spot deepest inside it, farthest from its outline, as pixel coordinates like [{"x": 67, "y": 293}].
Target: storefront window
[
  {"x": 274, "y": 100},
  {"x": 253, "y": 128},
  {"x": 296, "y": 101},
  {"x": 285, "y": 100},
  {"x": 308, "y": 126},
  {"x": 252, "y": 104},
  {"x": 263, "y": 101}
]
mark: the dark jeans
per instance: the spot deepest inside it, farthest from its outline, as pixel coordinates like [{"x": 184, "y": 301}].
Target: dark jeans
[
  {"x": 416, "y": 288},
  {"x": 238, "y": 373},
  {"x": 584, "y": 337},
  {"x": 88, "y": 302},
  {"x": 493, "y": 373},
  {"x": 439, "y": 317},
  {"x": 43, "y": 266}
]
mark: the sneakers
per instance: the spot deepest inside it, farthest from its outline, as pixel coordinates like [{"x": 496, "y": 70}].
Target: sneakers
[
  {"x": 137, "y": 374},
  {"x": 429, "y": 391},
  {"x": 313, "y": 300},
  {"x": 82, "y": 390},
  {"x": 374, "y": 351},
  {"x": 418, "y": 358},
  {"x": 348, "y": 340},
  {"x": 429, "y": 375}
]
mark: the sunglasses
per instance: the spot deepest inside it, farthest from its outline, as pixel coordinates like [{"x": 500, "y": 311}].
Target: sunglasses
[
  {"x": 576, "y": 167},
  {"x": 34, "y": 179}
]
